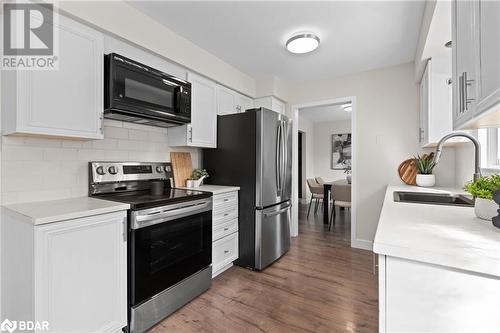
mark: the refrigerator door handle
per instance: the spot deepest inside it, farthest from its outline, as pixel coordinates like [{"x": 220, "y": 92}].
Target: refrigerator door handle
[
  {"x": 281, "y": 211},
  {"x": 278, "y": 160},
  {"x": 284, "y": 152}
]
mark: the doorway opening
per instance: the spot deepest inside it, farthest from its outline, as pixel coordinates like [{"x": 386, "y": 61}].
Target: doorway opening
[{"x": 330, "y": 128}]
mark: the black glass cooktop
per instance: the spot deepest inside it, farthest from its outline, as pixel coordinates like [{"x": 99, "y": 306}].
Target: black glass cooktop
[{"x": 144, "y": 199}]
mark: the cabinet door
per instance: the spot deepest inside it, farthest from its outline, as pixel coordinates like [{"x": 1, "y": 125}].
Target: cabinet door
[
  {"x": 203, "y": 112},
  {"x": 423, "y": 297},
  {"x": 465, "y": 78},
  {"x": 424, "y": 107},
  {"x": 81, "y": 274},
  {"x": 245, "y": 103},
  {"x": 489, "y": 55},
  {"x": 226, "y": 101},
  {"x": 277, "y": 106},
  {"x": 68, "y": 101}
]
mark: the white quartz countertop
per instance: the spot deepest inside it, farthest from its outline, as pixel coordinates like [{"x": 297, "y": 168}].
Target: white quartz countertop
[
  {"x": 437, "y": 234},
  {"x": 214, "y": 189},
  {"x": 66, "y": 209}
]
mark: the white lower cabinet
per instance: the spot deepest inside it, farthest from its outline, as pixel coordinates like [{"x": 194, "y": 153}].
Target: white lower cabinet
[
  {"x": 422, "y": 297},
  {"x": 224, "y": 231},
  {"x": 72, "y": 274}
]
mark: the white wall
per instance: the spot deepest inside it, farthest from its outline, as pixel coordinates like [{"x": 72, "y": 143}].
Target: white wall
[
  {"x": 323, "y": 148},
  {"x": 387, "y": 130}
]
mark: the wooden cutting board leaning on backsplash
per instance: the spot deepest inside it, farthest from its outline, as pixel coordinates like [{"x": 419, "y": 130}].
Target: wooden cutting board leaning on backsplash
[
  {"x": 182, "y": 167},
  {"x": 408, "y": 170}
]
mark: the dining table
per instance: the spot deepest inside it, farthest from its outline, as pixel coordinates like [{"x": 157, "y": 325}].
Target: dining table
[{"x": 327, "y": 191}]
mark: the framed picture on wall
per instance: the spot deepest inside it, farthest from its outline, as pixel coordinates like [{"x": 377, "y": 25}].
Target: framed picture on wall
[{"x": 341, "y": 151}]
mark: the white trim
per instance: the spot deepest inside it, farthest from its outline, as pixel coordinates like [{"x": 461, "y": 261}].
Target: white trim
[
  {"x": 362, "y": 244},
  {"x": 354, "y": 166}
]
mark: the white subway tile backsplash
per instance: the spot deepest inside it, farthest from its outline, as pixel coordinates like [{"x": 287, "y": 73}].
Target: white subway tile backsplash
[
  {"x": 36, "y": 169},
  {"x": 60, "y": 154},
  {"x": 115, "y": 132},
  {"x": 139, "y": 135},
  {"x": 106, "y": 143},
  {"x": 22, "y": 153}
]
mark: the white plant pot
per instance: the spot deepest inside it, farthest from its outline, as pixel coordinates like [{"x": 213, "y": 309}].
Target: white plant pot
[
  {"x": 485, "y": 209},
  {"x": 190, "y": 183},
  {"x": 426, "y": 180},
  {"x": 348, "y": 178}
]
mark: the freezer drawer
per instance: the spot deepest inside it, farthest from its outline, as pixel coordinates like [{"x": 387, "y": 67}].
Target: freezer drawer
[{"x": 272, "y": 234}]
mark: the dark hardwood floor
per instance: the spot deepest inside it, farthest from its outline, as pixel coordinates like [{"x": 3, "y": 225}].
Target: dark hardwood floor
[{"x": 320, "y": 285}]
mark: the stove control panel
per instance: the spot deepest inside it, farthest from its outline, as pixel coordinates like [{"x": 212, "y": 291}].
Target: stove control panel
[{"x": 107, "y": 172}]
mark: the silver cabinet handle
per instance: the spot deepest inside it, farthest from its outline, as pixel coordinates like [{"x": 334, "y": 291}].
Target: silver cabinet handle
[
  {"x": 226, "y": 200},
  {"x": 467, "y": 83},
  {"x": 190, "y": 131},
  {"x": 460, "y": 94},
  {"x": 226, "y": 229},
  {"x": 226, "y": 251}
]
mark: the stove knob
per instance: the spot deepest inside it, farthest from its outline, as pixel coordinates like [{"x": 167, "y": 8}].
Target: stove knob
[
  {"x": 168, "y": 168},
  {"x": 113, "y": 170},
  {"x": 159, "y": 169},
  {"x": 100, "y": 170}
]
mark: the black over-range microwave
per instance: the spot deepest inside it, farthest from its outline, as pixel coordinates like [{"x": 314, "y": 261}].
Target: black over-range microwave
[{"x": 138, "y": 93}]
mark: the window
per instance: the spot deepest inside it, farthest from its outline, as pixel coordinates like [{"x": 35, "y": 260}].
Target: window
[{"x": 490, "y": 147}]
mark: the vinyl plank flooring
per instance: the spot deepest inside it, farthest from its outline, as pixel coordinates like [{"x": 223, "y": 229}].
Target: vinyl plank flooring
[{"x": 320, "y": 285}]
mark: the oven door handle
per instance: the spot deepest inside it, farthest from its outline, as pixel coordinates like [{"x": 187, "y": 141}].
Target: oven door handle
[{"x": 141, "y": 221}]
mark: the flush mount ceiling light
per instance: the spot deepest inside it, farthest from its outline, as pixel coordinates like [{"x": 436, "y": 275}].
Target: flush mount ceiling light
[
  {"x": 347, "y": 107},
  {"x": 302, "y": 43}
]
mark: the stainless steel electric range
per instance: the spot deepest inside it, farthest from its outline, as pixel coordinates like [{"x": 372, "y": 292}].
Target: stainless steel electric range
[{"x": 170, "y": 237}]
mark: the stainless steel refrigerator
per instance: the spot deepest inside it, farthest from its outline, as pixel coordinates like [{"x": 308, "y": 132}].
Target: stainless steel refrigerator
[{"x": 254, "y": 152}]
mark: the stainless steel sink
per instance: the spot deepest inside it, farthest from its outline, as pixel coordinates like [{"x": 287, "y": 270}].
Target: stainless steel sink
[{"x": 433, "y": 198}]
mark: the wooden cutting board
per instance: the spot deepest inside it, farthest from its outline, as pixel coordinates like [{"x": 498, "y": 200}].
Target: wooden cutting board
[
  {"x": 182, "y": 167},
  {"x": 408, "y": 170}
]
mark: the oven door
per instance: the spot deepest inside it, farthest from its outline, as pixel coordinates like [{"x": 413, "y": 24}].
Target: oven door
[
  {"x": 167, "y": 245},
  {"x": 141, "y": 90}
]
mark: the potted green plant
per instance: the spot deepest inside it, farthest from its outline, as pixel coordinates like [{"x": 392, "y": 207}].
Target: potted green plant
[
  {"x": 483, "y": 189},
  {"x": 425, "y": 165},
  {"x": 197, "y": 178}
]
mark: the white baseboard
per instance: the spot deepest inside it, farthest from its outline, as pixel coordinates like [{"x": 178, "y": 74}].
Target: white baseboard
[{"x": 362, "y": 244}]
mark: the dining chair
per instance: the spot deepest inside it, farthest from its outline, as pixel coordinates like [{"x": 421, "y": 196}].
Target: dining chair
[
  {"x": 320, "y": 181},
  {"x": 316, "y": 194},
  {"x": 341, "y": 196}
]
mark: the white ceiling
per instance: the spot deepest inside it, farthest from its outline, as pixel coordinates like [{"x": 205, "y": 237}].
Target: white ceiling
[
  {"x": 325, "y": 113},
  {"x": 355, "y": 35}
]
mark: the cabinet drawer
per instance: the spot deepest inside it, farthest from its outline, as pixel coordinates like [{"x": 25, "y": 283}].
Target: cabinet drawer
[
  {"x": 225, "y": 199},
  {"x": 224, "y": 229},
  {"x": 224, "y": 251},
  {"x": 222, "y": 216}
]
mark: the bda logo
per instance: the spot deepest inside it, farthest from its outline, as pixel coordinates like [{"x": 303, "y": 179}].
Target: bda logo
[{"x": 8, "y": 325}]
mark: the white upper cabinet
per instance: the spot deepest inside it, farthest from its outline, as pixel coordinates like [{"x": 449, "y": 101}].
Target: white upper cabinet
[
  {"x": 476, "y": 69},
  {"x": 489, "y": 55},
  {"x": 202, "y": 131},
  {"x": 271, "y": 103},
  {"x": 436, "y": 101},
  {"x": 229, "y": 101},
  {"x": 65, "y": 102}
]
